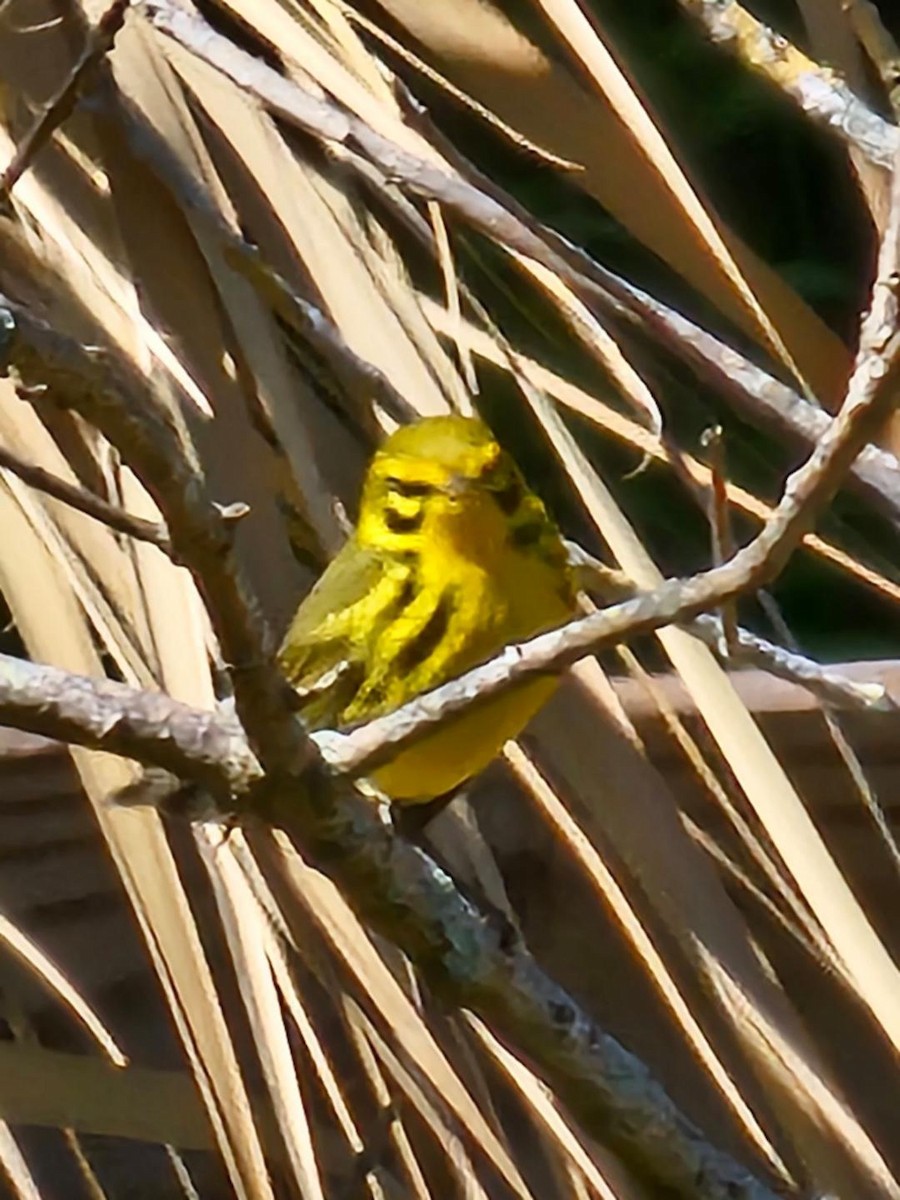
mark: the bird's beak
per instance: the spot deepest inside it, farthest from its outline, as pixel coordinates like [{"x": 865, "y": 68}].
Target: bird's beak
[{"x": 457, "y": 485}]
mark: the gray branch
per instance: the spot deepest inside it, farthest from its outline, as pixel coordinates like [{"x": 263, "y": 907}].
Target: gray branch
[
  {"x": 818, "y": 91},
  {"x": 148, "y": 726},
  {"x": 405, "y": 896},
  {"x": 394, "y": 885},
  {"x": 87, "y": 502}
]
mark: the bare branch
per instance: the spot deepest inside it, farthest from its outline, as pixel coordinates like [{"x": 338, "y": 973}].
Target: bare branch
[
  {"x": 401, "y": 892},
  {"x": 828, "y": 684},
  {"x": 104, "y": 388},
  {"x": 749, "y": 650},
  {"x": 87, "y": 502},
  {"x": 719, "y": 517},
  {"x": 60, "y": 106},
  {"x": 819, "y": 92},
  {"x": 210, "y": 748},
  {"x": 677, "y": 602}
]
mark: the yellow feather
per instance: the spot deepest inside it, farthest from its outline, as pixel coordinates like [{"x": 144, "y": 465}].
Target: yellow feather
[{"x": 452, "y": 559}]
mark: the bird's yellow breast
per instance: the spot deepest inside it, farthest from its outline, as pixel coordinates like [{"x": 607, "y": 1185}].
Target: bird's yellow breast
[
  {"x": 502, "y": 596},
  {"x": 453, "y": 558}
]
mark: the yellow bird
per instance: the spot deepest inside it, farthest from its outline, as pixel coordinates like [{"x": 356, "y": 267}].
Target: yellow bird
[{"x": 452, "y": 559}]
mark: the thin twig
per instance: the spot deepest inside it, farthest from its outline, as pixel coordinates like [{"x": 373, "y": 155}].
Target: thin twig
[
  {"x": 718, "y": 515},
  {"x": 60, "y": 106},
  {"x": 828, "y": 684},
  {"x": 748, "y": 650},
  {"x": 87, "y": 502}
]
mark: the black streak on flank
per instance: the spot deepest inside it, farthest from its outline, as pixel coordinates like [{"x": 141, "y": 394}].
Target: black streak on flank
[
  {"x": 404, "y": 598},
  {"x": 421, "y": 647},
  {"x": 398, "y": 523},
  {"x": 407, "y": 594}
]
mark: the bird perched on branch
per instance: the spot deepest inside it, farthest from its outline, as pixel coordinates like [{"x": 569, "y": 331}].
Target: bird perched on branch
[{"x": 452, "y": 559}]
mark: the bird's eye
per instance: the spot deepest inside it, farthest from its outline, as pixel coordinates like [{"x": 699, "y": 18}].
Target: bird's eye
[{"x": 409, "y": 488}]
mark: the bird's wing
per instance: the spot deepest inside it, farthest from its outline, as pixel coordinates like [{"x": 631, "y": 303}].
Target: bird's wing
[{"x": 324, "y": 652}]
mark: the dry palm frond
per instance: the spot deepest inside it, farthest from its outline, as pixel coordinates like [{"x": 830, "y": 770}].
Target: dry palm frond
[{"x": 229, "y": 169}]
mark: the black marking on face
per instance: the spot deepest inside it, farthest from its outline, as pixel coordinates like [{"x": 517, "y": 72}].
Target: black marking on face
[
  {"x": 410, "y": 489},
  {"x": 509, "y": 497},
  {"x": 527, "y": 535},
  {"x": 398, "y": 523},
  {"x": 422, "y": 646}
]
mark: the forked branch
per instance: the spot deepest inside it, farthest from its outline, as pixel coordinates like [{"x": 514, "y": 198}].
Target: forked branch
[
  {"x": 394, "y": 886},
  {"x": 401, "y": 893}
]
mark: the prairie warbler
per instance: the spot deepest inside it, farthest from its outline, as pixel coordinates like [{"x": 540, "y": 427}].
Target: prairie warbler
[{"x": 452, "y": 559}]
